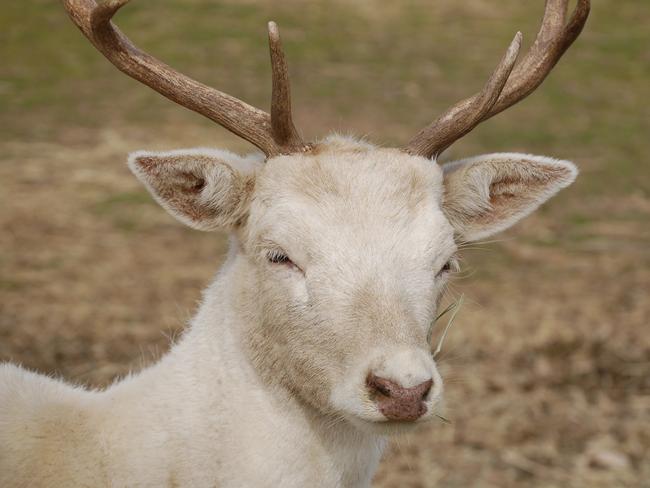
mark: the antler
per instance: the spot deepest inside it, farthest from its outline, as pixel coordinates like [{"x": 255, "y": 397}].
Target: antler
[
  {"x": 274, "y": 134},
  {"x": 284, "y": 131},
  {"x": 507, "y": 86}
]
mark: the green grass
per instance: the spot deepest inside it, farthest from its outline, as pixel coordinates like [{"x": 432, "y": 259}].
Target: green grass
[
  {"x": 123, "y": 209},
  {"x": 120, "y": 201}
]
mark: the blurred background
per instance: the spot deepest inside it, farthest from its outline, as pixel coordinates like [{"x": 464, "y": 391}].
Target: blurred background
[{"x": 548, "y": 363}]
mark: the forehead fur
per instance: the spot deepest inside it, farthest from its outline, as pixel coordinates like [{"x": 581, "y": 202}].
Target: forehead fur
[{"x": 354, "y": 171}]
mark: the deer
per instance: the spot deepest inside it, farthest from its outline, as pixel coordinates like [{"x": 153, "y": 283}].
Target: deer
[{"x": 311, "y": 347}]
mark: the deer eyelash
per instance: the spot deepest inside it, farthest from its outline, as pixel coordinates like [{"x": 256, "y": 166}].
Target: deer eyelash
[{"x": 277, "y": 256}]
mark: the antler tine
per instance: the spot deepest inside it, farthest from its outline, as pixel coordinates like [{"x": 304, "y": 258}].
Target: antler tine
[
  {"x": 553, "y": 39},
  {"x": 248, "y": 122},
  {"x": 467, "y": 114},
  {"x": 284, "y": 131},
  {"x": 555, "y": 36}
]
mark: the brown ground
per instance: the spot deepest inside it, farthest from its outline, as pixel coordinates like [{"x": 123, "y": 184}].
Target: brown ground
[{"x": 548, "y": 363}]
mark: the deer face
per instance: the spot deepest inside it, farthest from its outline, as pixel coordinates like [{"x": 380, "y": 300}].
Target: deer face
[
  {"x": 346, "y": 251},
  {"x": 351, "y": 251}
]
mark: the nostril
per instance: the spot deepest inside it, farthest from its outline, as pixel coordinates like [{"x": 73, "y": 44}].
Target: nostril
[
  {"x": 426, "y": 389},
  {"x": 383, "y": 389},
  {"x": 382, "y": 386}
]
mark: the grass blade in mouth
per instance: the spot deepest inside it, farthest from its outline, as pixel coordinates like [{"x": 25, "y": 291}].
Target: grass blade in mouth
[
  {"x": 443, "y": 419},
  {"x": 454, "y": 308}
]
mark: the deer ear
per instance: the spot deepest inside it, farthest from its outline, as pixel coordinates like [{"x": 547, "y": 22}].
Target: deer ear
[
  {"x": 489, "y": 193},
  {"x": 197, "y": 186}
]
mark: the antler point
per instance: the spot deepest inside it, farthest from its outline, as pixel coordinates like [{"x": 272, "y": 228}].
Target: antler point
[{"x": 274, "y": 31}]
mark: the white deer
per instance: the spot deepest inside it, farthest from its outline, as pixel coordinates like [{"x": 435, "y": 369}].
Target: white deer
[{"x": 310, "y": 346}]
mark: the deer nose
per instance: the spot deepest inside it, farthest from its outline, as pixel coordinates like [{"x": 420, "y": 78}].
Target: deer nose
[{"x": 396, "y": 402}]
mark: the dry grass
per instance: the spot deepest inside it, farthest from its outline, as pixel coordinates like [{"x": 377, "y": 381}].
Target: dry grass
[{"x": 548, "y": 362}]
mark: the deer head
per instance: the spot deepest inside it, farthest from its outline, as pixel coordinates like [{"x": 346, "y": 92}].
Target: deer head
[{"x": 345, "y": 247}]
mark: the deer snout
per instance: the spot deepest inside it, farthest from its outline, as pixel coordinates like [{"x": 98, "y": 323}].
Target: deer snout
[{"x": 396, "y": 402}]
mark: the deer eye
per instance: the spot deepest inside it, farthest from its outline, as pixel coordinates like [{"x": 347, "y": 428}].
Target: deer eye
[
  {"x": 450, "y": 265},
  {"x": 278, "y": 257}
]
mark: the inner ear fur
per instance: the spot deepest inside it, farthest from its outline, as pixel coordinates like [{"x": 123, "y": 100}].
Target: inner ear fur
[
  {"x": 200, "y": 187},
  {"x": 489, "y": 193}
]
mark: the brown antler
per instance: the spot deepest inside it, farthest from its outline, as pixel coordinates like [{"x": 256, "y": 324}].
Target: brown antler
[
  {"x": 274, "y": 134},
  {"x": 553, "y": 39},
  {"x": 284, "y": 132}
]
